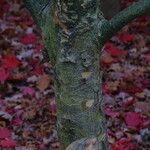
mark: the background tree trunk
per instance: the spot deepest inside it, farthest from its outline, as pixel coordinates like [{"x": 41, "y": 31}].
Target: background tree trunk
[{"x": 110, "y": 7}]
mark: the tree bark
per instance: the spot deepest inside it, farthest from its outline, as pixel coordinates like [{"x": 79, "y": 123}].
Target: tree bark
[
  {"x": 79, "y": 100},
  {"x": 74, "y": 32}
]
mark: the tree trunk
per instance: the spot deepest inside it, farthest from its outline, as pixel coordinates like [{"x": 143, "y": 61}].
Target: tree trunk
[
  {"x": 79, "y": 99},
  {"x": 74, "y": 32},
  {"x": 78, "y": 78}
]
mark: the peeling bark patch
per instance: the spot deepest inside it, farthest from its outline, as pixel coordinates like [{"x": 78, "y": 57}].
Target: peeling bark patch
[
  {"x": 89, "y": 103},
  {"x": 86, "y": 75}
]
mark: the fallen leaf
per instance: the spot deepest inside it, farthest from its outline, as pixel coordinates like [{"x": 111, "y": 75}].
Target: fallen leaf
[
  {"x": 4, "y": 7},
  {"x": 5, "y": 115},
  {"x": 127, "y": 38},
  {"x": 4, "y": 133},
  {"x": 10, "y": 61},
  {"x": 8, "y": 143},
  {"x": 29, "y": 39},
  {"x": 112, "y": 86},
  {"x": 133, "y": 120},
  {"x": 116, "y": 67},
  {"x": 114, "y": 51},
  {"x": 17, "y": 122},
  {"x": 111, "y": 113},
  {"x": 146, "y": 58},
  {"x": 106, "y": 58},
  {"x": 28, "y": 91},
  {"x": 123, "y": 144},
  {"x": 4, "y": 74},
  {"x": 144, "y": 107},
  {"x": 43, "y": 82},
  {"x": 128, "y": 101}
]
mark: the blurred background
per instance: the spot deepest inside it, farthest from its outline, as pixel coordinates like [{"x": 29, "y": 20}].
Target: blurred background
[{"x": 27, "y": 102}]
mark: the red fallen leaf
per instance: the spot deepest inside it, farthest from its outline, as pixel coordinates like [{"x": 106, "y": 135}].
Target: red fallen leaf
[
  {"x": 142, "y": 19},
  {"x": 133, "y": 120},
  {"x": 17, "y": 122},
  {"x": 18, "y": 76},
  {"x": 10, "y": 110},
  {"x": 4, "y": 133},
  {"x": 110, "y": 132},
  {"x": 53, "y": 106},
  {"x": 123, "y": 144},
  {"x": 146, "y": 123},
  {"x": 146, "y": 83},
  {"x": 106, "y": 60},
  {"x": 13, "y": 18},
  {"x": 39, "y": 48},
  {"x": 105, "y": 88},
  {"x": 3, "y": 74},
  {"x": 128, "y": 101},
  {"x": 146, "y": 58},
  {"x": 28, "y": 21},
  {"x": 127, "y": 38},
  {"x": 8, "y": 143},
  {"x": 37, "y": 67},
  {"x": 42, "y": 147},
  {"x": 29, "y": 39},
  {"x": 134, "y": 89},
  {"x": 56, "y": 149},
  {"x": 4, "y": 7},
  {"x": 114, "y": 51},
  {"x": 38, "y": 70},
  {"x": 28, "y": 91},
  {"x": 110, "y": 112},
  {"x": 10, "y": 61}
]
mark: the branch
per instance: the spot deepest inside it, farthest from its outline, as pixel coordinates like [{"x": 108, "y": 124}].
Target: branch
[
  {"x": 42, "y": 12},
  {"x": 137, "y": 9}
]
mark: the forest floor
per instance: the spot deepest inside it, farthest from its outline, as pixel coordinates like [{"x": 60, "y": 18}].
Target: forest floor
[{"x": 27, "y": 103}]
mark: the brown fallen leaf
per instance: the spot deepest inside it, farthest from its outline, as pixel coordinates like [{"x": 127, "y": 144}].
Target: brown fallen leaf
[
  {"x": 29, "y": 113},
  {"x": 144, "y": 107},
  {"x": 10, "y": 32},
  {"x": 106, "y": 58},
  {"x": 44, "y": 82},
  {"x": 116, "y": 67},
  {"x": 113, "y": 86}
]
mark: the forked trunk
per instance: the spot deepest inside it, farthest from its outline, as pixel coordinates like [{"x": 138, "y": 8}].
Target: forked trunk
[{"x": 74, "y": 32}]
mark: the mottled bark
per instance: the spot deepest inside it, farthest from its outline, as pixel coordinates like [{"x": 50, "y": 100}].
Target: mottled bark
[{"x": 74, "y": 32}]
